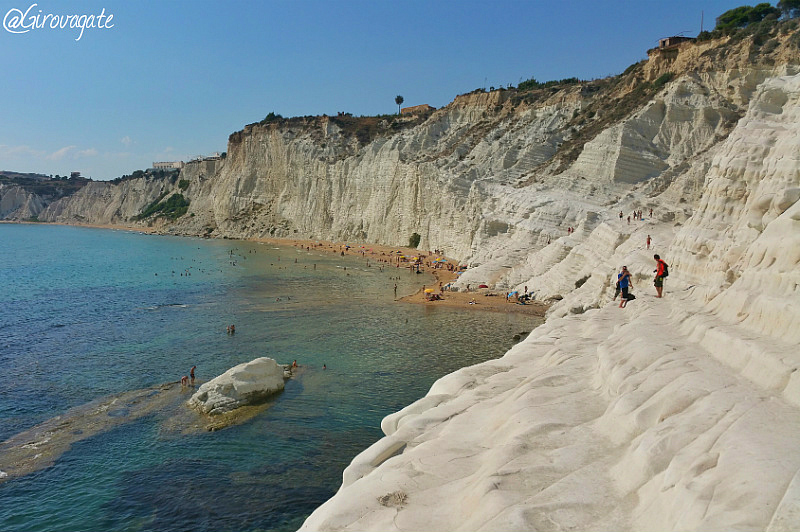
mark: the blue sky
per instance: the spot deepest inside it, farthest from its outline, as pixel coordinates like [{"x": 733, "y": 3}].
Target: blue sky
[{"x": 172, "y": 79}]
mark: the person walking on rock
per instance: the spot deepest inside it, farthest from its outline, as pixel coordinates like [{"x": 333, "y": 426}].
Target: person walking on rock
[
  {"x": 661, "y": 267},
  {"x": 624, "y": 279}
]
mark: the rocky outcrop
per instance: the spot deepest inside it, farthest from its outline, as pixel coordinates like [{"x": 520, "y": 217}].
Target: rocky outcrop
[
  {"x": 248, "y": 383},
  {"x": 16, "y": 203}
]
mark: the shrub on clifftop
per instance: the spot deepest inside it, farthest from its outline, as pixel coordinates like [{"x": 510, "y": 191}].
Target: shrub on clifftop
[{"x": 742, "y": 16}]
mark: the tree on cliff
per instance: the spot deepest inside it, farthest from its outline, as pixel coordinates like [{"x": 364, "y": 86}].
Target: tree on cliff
[
  {"x": 790, "y": 8},
  {"x": 742, "y": 16},
  {"x": 399, "y": 101}
]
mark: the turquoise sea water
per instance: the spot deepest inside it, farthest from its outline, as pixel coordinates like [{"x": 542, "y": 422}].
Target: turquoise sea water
[{"x": 88, "y": 313}]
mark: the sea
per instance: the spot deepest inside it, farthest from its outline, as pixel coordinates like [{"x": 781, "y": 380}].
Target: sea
[{"x": 89, "y": 314}]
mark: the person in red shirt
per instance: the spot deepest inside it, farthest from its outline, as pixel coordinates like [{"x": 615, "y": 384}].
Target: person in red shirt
[{"x": 659, "y": 279}]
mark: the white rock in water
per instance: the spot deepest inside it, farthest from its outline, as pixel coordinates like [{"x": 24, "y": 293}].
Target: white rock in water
[{"x": 241, "y": 385}]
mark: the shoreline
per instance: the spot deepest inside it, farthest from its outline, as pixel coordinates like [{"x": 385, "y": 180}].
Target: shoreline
[{"x": 483, "y": 299}]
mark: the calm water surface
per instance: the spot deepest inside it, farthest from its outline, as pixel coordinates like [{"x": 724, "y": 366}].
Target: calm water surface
[{"x": 87, "y": 313}]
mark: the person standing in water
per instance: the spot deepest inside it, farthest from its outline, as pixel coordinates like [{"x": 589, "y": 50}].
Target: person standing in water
[{"x": 191, "y": 374}]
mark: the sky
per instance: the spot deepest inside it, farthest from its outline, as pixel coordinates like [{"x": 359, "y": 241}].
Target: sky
[{"x": 172, "y": 79}]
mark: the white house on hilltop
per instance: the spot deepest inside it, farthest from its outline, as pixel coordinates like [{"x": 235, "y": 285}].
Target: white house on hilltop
[{"x": 168, "y": 165}]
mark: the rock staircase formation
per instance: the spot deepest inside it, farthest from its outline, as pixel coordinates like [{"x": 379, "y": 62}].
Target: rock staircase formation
[
  {"x": 675, "y": 413},
  {"x": 611, "y": 421}
]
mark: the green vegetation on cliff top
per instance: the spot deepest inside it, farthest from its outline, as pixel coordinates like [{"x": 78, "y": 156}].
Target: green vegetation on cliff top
[{"x": 175, "y": 207}]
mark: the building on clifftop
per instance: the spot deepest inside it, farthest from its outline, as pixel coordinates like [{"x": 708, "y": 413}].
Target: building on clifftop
[
  {"x": 417, "y": 109},
  {"x": 669, "y": 42}
]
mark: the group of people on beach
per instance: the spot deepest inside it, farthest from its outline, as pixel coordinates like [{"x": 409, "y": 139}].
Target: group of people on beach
[{"x": 625, "y": 281}]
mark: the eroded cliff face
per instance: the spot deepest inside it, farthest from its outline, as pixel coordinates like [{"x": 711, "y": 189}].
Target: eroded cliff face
[
  {"x": 432, "y": 180},
  {"x": 483, "y": 178},
  {"x": 18, "y": 204},
  {"x": 106, "y": 203}
]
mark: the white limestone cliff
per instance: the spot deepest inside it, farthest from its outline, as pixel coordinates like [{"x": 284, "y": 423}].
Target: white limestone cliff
[
  {"x": 675, "y": 413},
  {"x": 105, "y": 203},
  {"x": 18, "y": 204}
]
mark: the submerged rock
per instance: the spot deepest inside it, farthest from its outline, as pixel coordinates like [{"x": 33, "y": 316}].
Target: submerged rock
[{"x": 242, "y": 385}]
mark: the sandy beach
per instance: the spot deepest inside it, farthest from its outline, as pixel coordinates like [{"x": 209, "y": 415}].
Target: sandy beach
[{"x": 476, "y": 299}]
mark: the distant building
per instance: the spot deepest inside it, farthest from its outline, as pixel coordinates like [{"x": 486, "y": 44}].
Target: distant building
[
  {"x": 168, "y": 165},
  {"x": 74, "y": 175},
  {"x": 669, "y": 42},
  {"x": 216, "y": 156},
  {"x": 417, "y": 109}
]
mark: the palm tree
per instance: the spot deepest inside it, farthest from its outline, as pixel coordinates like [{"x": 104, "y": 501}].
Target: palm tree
[{"x": 399, "y": 101}]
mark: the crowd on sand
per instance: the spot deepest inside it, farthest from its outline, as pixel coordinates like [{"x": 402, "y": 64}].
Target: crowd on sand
[{"x": 444, "y": 270}]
